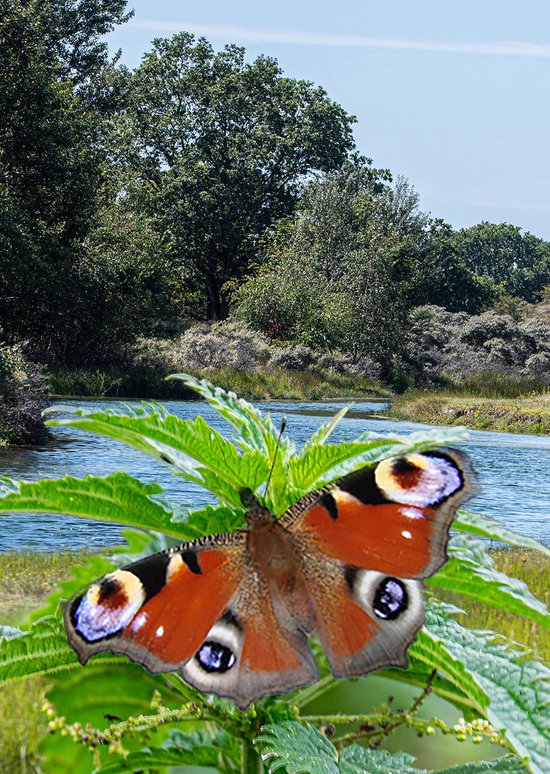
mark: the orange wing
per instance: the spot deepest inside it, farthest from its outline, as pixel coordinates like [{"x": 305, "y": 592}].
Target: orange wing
[
  {"x": 393, "y": 518},
  {"x": 159, "y": 610},
  {"x": 201, "y": 608},
  {"x": 364, "y": 545}
]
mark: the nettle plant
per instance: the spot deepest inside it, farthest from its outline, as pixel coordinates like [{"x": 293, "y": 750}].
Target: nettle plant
[{"x": 112, "y": 716}]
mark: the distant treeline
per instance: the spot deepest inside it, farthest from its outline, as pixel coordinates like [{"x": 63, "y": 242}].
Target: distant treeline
[{"x": 202, "y": 184}]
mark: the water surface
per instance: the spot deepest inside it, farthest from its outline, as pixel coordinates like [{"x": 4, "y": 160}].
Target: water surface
[{"x": 514, "y": 470}]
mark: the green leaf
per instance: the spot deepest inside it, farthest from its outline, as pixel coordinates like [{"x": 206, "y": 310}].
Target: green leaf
[
  {"x": 157, "y": 757},
  {"x": 318, "y": 464},
  {"x": 255, "y": 430},
  {"x": 471, "y": 571},
  {"x": 209, "y": 520},
  {"x": 102, "y": 694},
  {"x": 421, "y": 440},
  {"x": 508, "y": 764},
  {"x": 116, "y": 498},
  {"x": 512, "y": 692},
  {"x": 482, "y": 526},
  {"x": 325, "y": 431},
  {"x": 297, "y": 749},
  {"x": 198, "y": 452},
  {"x": 358, "y": 760},
  {"x": 41, "y": 651}
]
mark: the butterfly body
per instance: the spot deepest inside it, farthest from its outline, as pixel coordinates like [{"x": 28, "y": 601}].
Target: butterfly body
[{"x": 234, "y": 612}]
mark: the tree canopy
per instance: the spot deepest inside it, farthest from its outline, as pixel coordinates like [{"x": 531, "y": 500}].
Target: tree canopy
[{"x": 221, "y": 146}]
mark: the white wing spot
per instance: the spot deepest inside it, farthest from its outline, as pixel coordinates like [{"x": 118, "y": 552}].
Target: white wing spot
[
  {"x": 160, "y": 631},
  {"x": 406, "y": 534}
]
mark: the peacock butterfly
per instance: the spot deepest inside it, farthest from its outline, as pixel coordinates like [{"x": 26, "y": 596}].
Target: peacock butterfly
[{"x": 233, "y": 612}]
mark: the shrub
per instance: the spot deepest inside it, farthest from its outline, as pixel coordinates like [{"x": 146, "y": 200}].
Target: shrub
[
  {"x": 451, "y": 347},
  {"x": 293, "y": 358},
  {"x": 23, "y": 396},
  {"x": 223, "y": 344}
]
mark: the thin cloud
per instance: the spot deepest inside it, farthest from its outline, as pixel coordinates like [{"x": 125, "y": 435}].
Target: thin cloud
[{"x": 303, "y": 38}]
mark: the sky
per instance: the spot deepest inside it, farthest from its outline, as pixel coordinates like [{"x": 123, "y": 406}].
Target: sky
[{"x": 452, "y": 95}]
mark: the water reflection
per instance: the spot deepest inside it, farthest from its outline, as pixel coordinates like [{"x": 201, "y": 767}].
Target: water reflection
[{"x": 514, "y": 470}]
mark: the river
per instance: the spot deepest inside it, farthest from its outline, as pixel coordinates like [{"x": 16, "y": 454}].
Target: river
[{"x": 514, "y": 470}]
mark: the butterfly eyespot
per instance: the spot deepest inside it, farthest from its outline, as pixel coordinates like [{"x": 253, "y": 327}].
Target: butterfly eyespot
[
  {"x": 108, "y": 606},
  {"x": 215, "y": 657},
  {"x": 390, "y": 599},
  {"x": 422, "y": 480}
]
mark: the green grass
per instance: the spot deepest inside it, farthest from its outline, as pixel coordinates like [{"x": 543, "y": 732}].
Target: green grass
[
  {"x": 263, "y": 384},
  {"x": 529, "y": 414},
  {"x": 533, "y": 568},
  {"x": 111, "y": 382},
  {"x": 23, "y": 726},
  {"x": 280, "y": 384},
  {"x": 27, "y": 577},
  {"x": 494, "y": 384}
]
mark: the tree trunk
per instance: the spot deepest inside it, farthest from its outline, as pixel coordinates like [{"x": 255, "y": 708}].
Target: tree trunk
[{"x": 217, "y": 306}]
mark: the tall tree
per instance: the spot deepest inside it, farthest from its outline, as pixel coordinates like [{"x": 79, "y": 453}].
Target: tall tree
[
  {"x": 222, "y": 146},
  {"x": 48, "y": 177},
  {"x": 347, "y": 268}
]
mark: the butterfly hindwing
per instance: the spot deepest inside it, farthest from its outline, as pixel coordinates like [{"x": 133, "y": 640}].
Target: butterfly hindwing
[{"x": 271, "y": 652}]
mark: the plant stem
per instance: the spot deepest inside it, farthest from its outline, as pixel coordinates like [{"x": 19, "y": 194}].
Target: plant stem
[{"x": 251, "y": 762}]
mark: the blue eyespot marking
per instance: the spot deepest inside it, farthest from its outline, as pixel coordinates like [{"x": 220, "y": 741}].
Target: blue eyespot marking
[{"x": 215, "y": 657}]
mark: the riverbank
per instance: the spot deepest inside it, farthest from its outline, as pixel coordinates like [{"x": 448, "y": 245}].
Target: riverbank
[
  {"x": 269, "y": 383},
  {"x": 511, "y": 415}
]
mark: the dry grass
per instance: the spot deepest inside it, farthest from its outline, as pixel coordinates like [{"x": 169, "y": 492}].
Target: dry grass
[{"x": 530, "y": 414}]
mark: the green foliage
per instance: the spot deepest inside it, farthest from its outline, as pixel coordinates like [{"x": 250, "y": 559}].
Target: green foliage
[
  {"x": 518, "y": 263},
  {"x": 512, "y": 691},
  {"x": 105, "y": 716},
  {"x": 471, "y": 571},
  {"x": 49, "y": 172},
  {"x": 220, "y": 146},
  {"x": 355, "y": 242},
  {"x": 74, "y": 31},
  {"x": 487, "y": 354},
  {"x": 301, "y": 749}
]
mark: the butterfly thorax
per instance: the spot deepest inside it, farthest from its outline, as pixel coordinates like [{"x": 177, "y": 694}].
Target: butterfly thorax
[{"x": 256, "y": 515}]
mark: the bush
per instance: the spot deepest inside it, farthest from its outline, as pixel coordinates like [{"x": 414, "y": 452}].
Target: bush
[
  {"x": 446, "y": 347},
  {"x": 293, "y": 358},
  {"x": 23, "y": 396},
  {"x": 221, "y": 345}
]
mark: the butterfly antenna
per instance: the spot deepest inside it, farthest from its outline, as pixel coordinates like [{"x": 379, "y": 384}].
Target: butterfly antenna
[{"x": 281, "y": 431}]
